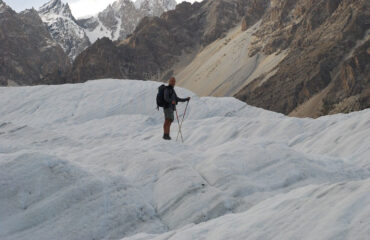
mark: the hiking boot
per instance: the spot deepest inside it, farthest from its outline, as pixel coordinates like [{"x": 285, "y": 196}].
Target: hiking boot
[{"x": 166, "y": 137}]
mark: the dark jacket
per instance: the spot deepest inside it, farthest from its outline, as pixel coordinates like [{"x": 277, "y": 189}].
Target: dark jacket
[{"x": 170, "y": 96}]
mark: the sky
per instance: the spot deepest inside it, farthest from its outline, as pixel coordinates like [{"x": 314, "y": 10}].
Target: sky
[{"x": 80, "y": 8}]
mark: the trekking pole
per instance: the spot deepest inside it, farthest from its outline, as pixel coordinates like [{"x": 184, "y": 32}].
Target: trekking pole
[
  {"x": 183, "y": 118},
  {"x": 178, "y": 121}
]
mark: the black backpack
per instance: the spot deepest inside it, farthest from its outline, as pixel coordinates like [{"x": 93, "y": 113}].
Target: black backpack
[{"x": 160, "y": 97}]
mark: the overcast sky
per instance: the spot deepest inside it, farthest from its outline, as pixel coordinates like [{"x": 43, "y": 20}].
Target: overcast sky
[{"x": 80, "y": 8}]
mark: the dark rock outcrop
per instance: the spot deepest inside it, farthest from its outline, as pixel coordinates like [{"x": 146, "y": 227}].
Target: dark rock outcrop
[
  {"x": 28, "y": 54},
  {"x": 93, "y": 67}
]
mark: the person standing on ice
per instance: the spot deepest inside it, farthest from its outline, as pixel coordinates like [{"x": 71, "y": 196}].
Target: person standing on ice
[{"x": 170, "y": 101}]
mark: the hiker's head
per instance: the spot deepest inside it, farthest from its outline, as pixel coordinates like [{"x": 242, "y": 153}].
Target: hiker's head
[{"x": 172, "y": 81}]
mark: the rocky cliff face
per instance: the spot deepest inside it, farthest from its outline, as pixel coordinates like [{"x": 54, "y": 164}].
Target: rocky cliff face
[
  {"x": 64, "y": 28},
  {"x": 28, "y": 54},
  {"x": 350, "y": 89},
  {"x": 327, "y": 57},
  {"x": 94, "y": 67}
]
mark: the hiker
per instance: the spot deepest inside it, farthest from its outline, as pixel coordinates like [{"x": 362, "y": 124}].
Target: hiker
[{"x": 170, "y": 101}]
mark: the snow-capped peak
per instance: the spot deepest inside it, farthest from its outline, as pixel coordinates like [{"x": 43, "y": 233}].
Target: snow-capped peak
[
  {"x": 56, "y": 7},
  {"x": 3, "y": 7},
  {"x": 51, "y": 5},
  {"x": 121, "y": 18},
  {"x": 64, "y": 28},
  {"x": 155, "y": 5},
  {"x": 118, "y": 6},
  {"x": 120, "y": 3},
  {"x": 115, "y": 22}
]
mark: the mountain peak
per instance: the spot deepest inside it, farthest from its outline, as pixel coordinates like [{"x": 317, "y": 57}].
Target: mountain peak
[
  {"x": 67, "y": 11},
  {"x": 165, "y": 5},
  {"x": 4, "y": 7},
  {"x": 56, "y": 7},
  {"x": 64, "y": 27},
  {"x": 2, "y": 4},
  {"x": 53, "y": 4},
  {"x": 30, "y": 11},
  {"x": 123, "y": 3}
]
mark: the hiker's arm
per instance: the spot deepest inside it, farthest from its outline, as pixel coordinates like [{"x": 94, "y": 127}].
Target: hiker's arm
[{"x": 182, "y": 99}]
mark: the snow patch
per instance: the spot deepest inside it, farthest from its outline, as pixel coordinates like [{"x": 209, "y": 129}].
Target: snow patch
[{"x": 99, "y": 32}]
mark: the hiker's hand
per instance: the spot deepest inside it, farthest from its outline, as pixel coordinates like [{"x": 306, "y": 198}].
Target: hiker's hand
[{"x": 188, "y": 99}]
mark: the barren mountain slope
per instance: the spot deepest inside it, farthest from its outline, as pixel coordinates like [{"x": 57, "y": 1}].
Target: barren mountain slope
[
  {"x": 328, "y": 57},
  {"x": 224, "y": 67},
  {"x": 254, "y": 64}
]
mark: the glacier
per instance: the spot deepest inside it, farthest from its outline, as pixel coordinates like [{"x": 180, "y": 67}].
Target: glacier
[{"x": 86, "y": 161}]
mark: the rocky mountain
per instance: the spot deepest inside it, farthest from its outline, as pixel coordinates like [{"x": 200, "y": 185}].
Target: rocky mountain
[
  {"x": 303, "y": 58},
  {"x": 120, "y": 18},
  {"x": 326, "y": 69},
  {"x": 64, "y": 28},
  {"x": 33, "y": 49},
  {"x": 116, "y": 22},
  {"x": 155, "y": 7},
  {"x": 28, "y": 54},
  {"x": 158, "y": 42}
]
